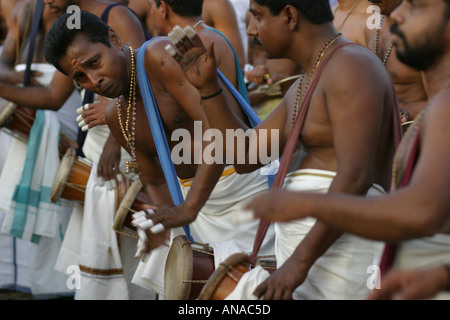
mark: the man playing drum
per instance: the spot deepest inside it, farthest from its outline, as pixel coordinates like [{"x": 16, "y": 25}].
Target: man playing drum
[
  {"x": 90, "y": 63},
  {"x": 347, "y": 139}
]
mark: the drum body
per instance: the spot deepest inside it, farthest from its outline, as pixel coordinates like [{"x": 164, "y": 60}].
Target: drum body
[
  {"x": 226, "y": 277},
  {"x": 133, "y": 201},
  {"x": 188, "y": 266},
  {"x": 71, "y": 178},
  {"x": 16, "y": 120}
]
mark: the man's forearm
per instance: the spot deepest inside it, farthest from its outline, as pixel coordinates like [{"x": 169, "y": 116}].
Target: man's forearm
[
  {"x": 32, "y": 97},
  {"x": 203, "y": 184}
]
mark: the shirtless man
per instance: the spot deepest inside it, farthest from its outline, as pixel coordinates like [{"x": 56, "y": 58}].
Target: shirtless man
[
  {"x": 350, "y": 155},
  {"x": 416, "y": 215},
  {"x": 181, "y": 109},
  {"x": 53, "y": 95},
  {"x": 409, "y": 84}
]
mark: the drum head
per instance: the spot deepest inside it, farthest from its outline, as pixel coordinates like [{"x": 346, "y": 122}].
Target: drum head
[
  {"x": 7, "y": 108},
  {"x": 62, "y": 175},
  {"x": 179, "y": 268},
  {"x": 219, "y": 274},
  {"x": 126, "y": 204}
]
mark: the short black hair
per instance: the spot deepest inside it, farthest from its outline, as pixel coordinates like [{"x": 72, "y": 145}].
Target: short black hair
[
  {"x": 315, "y": 11},
  {"x": 184, "y": 8},
  {"x": 62, "y": 34}
]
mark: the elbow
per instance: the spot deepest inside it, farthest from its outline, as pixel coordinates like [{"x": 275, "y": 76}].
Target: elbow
[
  {"x": 428, "y": 222},
  {"x": 428, "y": 228}
]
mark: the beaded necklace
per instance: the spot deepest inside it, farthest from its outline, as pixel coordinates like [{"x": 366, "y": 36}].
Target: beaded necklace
[
  {"x": 386, "y": 57},
  {"x": 316, "y": 64},
  {"x": 129, "y": 135}
]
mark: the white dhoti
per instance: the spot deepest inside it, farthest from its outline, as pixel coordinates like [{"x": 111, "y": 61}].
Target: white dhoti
[
  {"x": 32, "y": 264},
  {"x": 215, "y": 220},
  {"x": 424, "y": 253},
  {"x": 90, "y": 241},
  {"x": 341, "y": 273}
]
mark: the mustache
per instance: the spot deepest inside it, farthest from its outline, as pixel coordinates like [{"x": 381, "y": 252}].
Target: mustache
[
  {"x": 395, "y": 30},
  {"x": 256, "y": 42}
]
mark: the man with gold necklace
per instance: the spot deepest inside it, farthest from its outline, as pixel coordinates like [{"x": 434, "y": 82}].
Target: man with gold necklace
[
  {"x": 341, "y": 151},
  {"x": 109, "y": 68},
  {"x": 414, "y": 219}
]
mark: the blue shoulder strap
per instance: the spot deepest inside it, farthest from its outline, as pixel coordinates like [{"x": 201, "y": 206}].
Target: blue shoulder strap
[
  {"x": 245, "y": 106},
  {"x": 158, "y": 133},
  {"x": 240, "y": 77},
  {"x": 241, "y": 95}
]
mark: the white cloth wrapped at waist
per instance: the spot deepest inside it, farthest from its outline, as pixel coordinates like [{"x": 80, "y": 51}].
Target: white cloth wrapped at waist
[
  {"x": 341, "y": 273},
  {"x": 67, "y": 113},
  {"x": 232, "y": 192},
  {"x": 425, "y": 252}
]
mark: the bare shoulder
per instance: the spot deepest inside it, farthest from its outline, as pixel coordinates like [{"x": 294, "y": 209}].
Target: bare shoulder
[
  {"x": 357, "y": 65},
  {"x": 155, "y": 51},
  {"x": 215, "y": 5},
  {"x": 438, "y": 112},
  {"x": 122, "y": 12},
  {"x": 160, "y": 63}
]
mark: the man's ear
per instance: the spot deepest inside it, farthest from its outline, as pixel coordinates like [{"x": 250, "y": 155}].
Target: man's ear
[
  {"x": 115, "y": 39},
  {"x": 163, "y": 7},
  {"x": 291, "y": 15}
]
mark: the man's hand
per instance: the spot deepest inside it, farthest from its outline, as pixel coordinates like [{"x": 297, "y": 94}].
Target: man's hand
[
  {"x": 281, "y": 283},
  {"x": 275, "y": 205},
  {"x": 197, "y": 61},
  {"x": 150, "y": 236},
  {"x": 108, "y": 165},
  {"x": 411, "y": 284},
  {"x": 259, "y": 75},
  {"x": 171, "y": 217},
  {"x": 93, "y": 114}
]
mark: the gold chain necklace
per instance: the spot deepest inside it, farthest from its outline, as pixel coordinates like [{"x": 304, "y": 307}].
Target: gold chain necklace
[
  {"x": 316, "y": 64},
  {"x": 129, "y": 135}
]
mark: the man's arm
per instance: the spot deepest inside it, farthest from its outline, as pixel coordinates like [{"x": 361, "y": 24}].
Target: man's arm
[
  {"x": 50, "y": 97},
  {"x": 171, "y": 78},
  {"x": 199, "y": 66},
  {"x": 418, "y": 210}
]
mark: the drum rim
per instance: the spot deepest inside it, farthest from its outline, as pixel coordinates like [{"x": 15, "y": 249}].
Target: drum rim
[
  {"x": 214, "y": 280},
  {"x": 7, "y": 111},
  {"x": 184, "y": 244},
  {"x": 62, "y": 175},
  {"x": 126, "y": 203}
]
